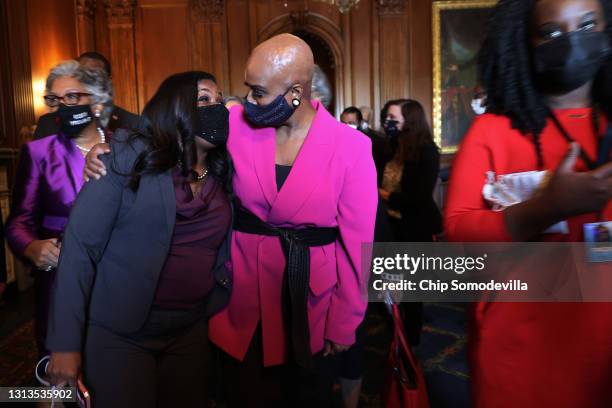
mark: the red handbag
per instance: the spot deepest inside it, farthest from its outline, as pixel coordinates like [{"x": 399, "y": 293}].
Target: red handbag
[{"x": 404, "y": 380}]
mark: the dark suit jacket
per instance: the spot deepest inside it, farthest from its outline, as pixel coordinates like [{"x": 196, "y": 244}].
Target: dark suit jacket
[
  {"x": 420, "y": 214},
  {"x": 48, "y": 124},
  {"x": 113, "y": 249},
  {"x": 381, "y": 152}
]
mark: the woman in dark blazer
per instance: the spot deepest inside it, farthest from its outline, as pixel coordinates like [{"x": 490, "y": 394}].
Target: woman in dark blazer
[
  {"x": 411, "y": 174},
  {"x": 408, "y": 182},
  {"x": 144, "y": 249}
]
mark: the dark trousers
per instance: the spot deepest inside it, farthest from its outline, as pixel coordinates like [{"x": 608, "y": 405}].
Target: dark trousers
[
  {"x": 351, "y": 364},
  {"x": 412, "y": 313},
  {"x": 166, "y": 364},
  {"x": 248, "y": 384},
  {"x": 43, "y": 284}
]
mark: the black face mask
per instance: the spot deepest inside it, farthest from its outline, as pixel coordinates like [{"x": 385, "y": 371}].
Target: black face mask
[
  {"x": 271, "y": 115},
  {"x": 74, "y": 119},
  {"x": 570, "y": 61},
  {"x": 391, "y": 129},
  {"x": 213, "y": 123}
]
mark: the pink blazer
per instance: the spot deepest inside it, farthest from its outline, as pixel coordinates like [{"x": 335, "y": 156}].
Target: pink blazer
[{"x": 332, "y": 184}]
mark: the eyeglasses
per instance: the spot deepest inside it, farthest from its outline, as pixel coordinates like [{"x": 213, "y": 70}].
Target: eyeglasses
[{"x": 70, "y": 99}]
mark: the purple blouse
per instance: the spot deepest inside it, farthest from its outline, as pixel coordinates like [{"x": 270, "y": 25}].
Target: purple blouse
[{"x": 201, "y": 226}]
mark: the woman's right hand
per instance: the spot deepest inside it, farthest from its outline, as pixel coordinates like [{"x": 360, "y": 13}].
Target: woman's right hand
[
  {"x": 64, "y": 368},
  {"x": 568, "y": 194},
  {"x": 43, "y": 253},
  {"x": 94, "y": 168}
]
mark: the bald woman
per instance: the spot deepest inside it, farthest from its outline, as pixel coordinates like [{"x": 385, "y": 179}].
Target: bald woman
[
  {"x": 306, "y": 197},
  {"x": 306, "y": 189}
]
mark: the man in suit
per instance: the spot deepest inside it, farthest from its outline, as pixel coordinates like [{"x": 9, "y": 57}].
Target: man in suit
[
  {"x": 48, "y": 124},
  {"x": 353, "y": 117}
]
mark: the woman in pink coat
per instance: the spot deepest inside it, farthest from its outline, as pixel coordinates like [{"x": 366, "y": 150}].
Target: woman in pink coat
[{"x": 306, "y": 202}]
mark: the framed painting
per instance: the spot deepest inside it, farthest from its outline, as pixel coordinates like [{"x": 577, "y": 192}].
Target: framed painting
[{"x": 459, "y": 29}]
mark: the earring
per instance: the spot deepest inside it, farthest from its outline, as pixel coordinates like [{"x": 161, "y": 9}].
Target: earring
[
  {"x": 97, "y": 114},
  {"x": 296, "y": 102}
]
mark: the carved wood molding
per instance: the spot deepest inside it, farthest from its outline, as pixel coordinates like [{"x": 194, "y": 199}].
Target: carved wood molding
[
  {"x": 207, "y": 10},
  {"x": 299, "y": 19},
  {"x": 390, "y": 7},
  {"x": 86, "y": 8},
  {"x": 120, "y": 10}
]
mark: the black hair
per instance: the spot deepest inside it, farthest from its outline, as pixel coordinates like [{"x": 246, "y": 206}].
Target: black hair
[
  {"x": 353, "y": 110},
  {"x": 205, "y": 76},
  {"x": 97, "y": 56},
  {"x": 167, "y": 126},
  {"x": 385, "y": 109},
  {"x": 415, "y": 132},
  {"x": 505, "y": 68}
]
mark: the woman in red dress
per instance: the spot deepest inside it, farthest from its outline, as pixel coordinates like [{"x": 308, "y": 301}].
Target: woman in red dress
[{"x": 547, "y": 69}]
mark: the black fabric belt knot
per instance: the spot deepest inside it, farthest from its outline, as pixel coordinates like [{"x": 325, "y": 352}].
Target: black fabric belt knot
[{"x": 295, "y": 243}]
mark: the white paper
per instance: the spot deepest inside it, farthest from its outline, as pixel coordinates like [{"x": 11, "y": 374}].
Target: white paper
[{"x": 506, "y": 190}]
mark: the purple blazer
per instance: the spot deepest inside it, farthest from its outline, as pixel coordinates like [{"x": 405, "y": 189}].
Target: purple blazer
[{"x": 48, "y": 179}]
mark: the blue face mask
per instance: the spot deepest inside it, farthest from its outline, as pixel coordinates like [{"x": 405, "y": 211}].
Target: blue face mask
[{"x": 273, "y": 114}]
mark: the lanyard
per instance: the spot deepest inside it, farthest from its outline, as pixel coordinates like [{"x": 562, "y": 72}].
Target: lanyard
[{"x": 604, "y": 144}]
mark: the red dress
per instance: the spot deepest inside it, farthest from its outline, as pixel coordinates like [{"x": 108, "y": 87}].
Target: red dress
[{"x": 529, "y": 354}]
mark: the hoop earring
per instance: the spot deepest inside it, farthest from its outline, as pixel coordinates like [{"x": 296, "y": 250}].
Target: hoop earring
[{"x": 295, "y": 102}]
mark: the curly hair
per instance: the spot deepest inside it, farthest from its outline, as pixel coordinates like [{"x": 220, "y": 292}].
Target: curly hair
[
  {"x": 505, "y": 67},
  {"x": 97, "y": 82}
]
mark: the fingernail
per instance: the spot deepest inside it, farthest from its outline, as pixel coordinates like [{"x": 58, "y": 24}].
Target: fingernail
[
  {"x": 97, "y": 177},
  {"x": 103, "y": 172}
]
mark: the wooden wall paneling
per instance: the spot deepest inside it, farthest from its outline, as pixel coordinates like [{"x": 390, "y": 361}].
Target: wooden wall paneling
[
  {"x": 86, "y": 27},
  {"x": 238, "y": 43},
  {"x": 394, "y": 50},
  {"x": 7, "y": 115},
  {"x": 382, "y": 47},
  {"x": 209, "y": 51},
  {"x": 163, "y": 44},
  {"x": 421, "y": 56},
  {"x": 102, "y": 40},
  {"x": 120, "y": 15},
  {"x": 52, "y": 39},
  {"x": 16, "y": 107},
  {"x": 18, "y": 102},
  {"x": 253, "y": 6},
  {"x": 139, "y": 52},
  {"x": 375, "y": 76},
  {"x": 361, "y": 54},
  {"x": 7, "y": 112},
  {"x": 347, "y": 65}
]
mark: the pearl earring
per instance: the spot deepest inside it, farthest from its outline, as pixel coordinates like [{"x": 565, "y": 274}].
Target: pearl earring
[
  {"x": 97, "y": 114},
  {"x": 296, "y": 102}
]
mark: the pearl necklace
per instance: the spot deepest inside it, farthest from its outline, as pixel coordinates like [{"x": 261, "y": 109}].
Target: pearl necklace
[
  {"x": 84, "y": 150},
  {"x": 202, "y": 176}
]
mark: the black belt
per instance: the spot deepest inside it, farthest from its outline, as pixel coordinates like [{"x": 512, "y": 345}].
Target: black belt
[{"x": 295, "y": 244}]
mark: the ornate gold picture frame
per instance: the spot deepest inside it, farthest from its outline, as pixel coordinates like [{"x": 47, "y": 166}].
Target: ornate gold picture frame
[{"x": 459, "y": 28}]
